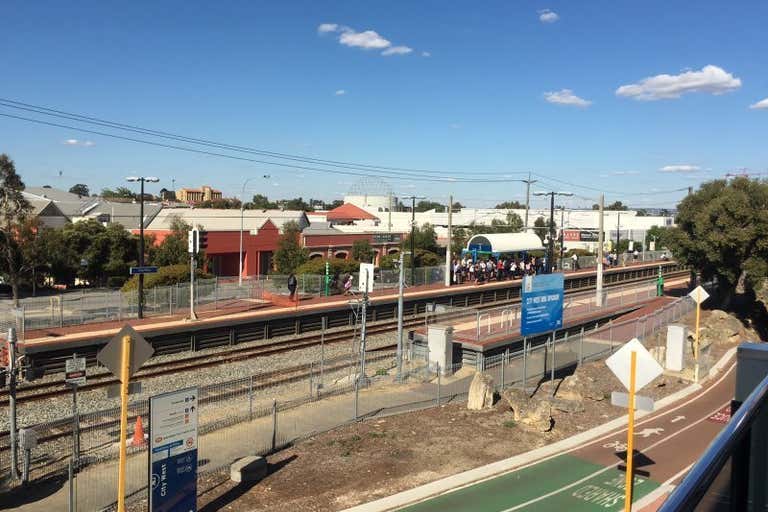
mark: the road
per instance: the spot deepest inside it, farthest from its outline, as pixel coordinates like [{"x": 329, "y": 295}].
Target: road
[{"x": 591, "y": 477}]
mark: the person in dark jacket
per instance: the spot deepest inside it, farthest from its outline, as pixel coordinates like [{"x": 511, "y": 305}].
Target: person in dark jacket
[{"x": 292, "y": 282}]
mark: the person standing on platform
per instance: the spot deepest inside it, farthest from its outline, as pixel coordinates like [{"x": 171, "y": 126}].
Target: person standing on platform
[{"x": 292, "y": 282}]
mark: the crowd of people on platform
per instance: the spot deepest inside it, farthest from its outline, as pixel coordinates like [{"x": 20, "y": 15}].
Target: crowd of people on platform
[{"x": 502, "y": 268}]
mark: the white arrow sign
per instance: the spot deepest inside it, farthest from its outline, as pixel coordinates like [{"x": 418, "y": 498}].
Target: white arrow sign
[
  {"x": 647, "y": 432},
  {"x": 677, "y": 418},
  {"x": 699, "y": 295},
  {"x": 647, "y": 367}
]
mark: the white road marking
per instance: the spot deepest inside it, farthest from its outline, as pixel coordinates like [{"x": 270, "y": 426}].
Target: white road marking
[
  {"x": 647, "y": 432},
  {"x": 676, "y": 419}
]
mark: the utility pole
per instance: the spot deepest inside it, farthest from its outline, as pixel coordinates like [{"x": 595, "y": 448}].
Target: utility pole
[
  {"x": 12, "y": 402},
  {"x": 413, "y": 229},
  {"x": 448, "y": 246},
  {"x": 193, "y": 246},
  {"x": 362, "y": 378},
  {"x": 551, "y": 244},
  {"x": 600, "y": 236},
  {"x": 142, "y": 180},
  {"x": 528, "y": 183},
  {"x": 400, "y": 317},
  {"x": 618, "y": 231},
  {"x": 389, "y": 214},
  {"x": 562, "y": 237}
]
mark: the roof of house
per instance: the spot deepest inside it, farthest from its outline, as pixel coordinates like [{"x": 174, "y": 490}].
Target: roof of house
[
  {"x": 71, "y": 205},
  {"x": 125, "y": 214},
  {"x": 227, "y": 219},
  {"x": 347, "y": 212}
]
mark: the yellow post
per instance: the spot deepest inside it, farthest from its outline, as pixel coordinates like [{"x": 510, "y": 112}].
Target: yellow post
[
  {"x": 630, "y": 435},
  {"x": 696, "y": 344},
  {"x": 124, "y": 378}
]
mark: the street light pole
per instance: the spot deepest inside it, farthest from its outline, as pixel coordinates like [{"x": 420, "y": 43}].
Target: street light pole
[
  {"x": 242, "y": 207},
  {"x": 551, "y": 244},
  {"x": 413, "y": 229},
  {"x": 141, "y": 180},
  {"x": 528, "y": 184}
]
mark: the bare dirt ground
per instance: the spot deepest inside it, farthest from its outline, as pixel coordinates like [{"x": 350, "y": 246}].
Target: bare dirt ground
[{"x": 369, "y": 460}]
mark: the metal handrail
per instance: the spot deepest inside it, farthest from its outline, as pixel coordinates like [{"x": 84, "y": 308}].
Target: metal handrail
[{"x": 692, "y": 489}]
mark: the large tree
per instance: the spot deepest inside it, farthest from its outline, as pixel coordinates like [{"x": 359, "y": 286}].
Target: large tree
[
  {"x": 290, "y": 254},
  {"x": 510, "y": 205},
  {"x": 14, "y": 210},
  {"x": 362, "y": 251},
  {"x": 721, "y": 232},
  {"x": 119, "y": 193},
  {"x": 80, "y": 189},
  {"x": 173, "y": 249}
]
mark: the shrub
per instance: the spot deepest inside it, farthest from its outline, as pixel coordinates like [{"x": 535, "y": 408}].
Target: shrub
[
  {"x": 165, "y": 276},
  {"x": 317, "y": 266}
]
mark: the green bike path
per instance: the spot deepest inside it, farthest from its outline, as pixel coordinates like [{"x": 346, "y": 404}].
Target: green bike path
[{"x": 565, "y": 483}]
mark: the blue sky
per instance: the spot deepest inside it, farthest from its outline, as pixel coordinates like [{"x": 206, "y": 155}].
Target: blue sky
[{"x": 464, "y": 91}]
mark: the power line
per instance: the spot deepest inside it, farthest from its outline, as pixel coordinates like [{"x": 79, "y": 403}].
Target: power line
[
  {"x": 603, "y": 191},
  {"x": 245, "y": 159},
  {"x": 232, "y": 147}
]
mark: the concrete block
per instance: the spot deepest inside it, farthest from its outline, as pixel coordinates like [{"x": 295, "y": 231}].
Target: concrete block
[
  {"x": 677, "y": 336},
  {"x": 248, "y": 469},
  {"x": 440, "y": 342}
]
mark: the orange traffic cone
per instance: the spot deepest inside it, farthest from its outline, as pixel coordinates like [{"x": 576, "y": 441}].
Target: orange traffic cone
[{"x": 138, "y": 433}]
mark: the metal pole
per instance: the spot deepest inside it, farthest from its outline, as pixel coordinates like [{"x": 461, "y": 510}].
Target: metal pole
[
  {"x": 141, "y": 249},
  {"x": 357, "y": 394},
  {"x": 240, "y": 272},
  {"x": 551, "y": 245},
  {"x": 71, "y": 482},
  {"x": 413, "y": 247},
  {"x": 250, "y": 397},
  {"x": 552, "y": 369},
  {"x": 274, "y": 424},
  {"x": 124, "y": 379},
  {"x": 448, "y": 246},
  {"x": 618, "y": 232},
  {"x": 581, "y": 346},
  {"x": 562, "y": 237},
  {"x": 75, "y": 425},
  {"x": 600, "y": 235},
  {"x": 528, "y": 183},
  {"x": 324, "y": 326},
  {"x": 362, "y": 328},
  {"x": 525, "y": 361},
  {"x": 438, "y": 384},
  {"x": 192, "y": 263},
  {"x": 12, "y": 402},
  {"x": 400, "y": 319}
]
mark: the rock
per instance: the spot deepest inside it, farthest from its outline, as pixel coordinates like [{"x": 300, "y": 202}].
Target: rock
[
  {"x": 580, "y": 386},
  {"x": 533, "y": 413},
  {"x": 480, "y": 392},
  {"x": 248, "y": 469},
  {"x": 565, "y": 405},
  {"x": 348, "y": 380}
]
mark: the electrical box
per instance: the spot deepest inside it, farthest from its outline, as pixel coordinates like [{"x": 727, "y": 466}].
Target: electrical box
[{"x": 677, "y": 336}]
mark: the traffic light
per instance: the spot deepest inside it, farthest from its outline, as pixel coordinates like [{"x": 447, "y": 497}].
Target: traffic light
[{"x": 202, "y": 238}]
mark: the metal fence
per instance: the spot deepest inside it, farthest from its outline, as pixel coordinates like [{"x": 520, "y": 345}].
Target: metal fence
[{"x": 251, "y": 416}]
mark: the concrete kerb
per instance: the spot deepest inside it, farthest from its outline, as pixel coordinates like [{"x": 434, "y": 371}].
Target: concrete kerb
[{"x": 496, "y": 469}]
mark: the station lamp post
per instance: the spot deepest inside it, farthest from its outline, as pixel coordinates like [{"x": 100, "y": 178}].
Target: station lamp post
[
  {"x": 551, "y": 244},
  {"x": 242, "y": 206},
  {"x": 413, "y": 228},
  {"x": 142, "y": 180}
]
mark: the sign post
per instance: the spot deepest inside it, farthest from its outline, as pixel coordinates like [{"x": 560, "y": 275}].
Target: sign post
[
  {"x": 699, "y": 295},
  {"x": 173, "y": 451},
  {"x": 635, "y": 367},
  {"x": 74, "y": 376},
  {"x": 125, "y": 354}
]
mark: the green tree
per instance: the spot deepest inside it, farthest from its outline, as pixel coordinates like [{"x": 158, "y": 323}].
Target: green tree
[
  {"x": 721, "y": 233},
  {"x": 260, "y": 202},
  {"x": 56, "y": 258},
  {"x": 118, "y": 193},
  {"x": 290, "y": 254},
  {"x": 541, "y": 227},
  {"x": 512, "y": 224},
  {"x": 424, "y": 237},
  {"x": 173, "y": 249},
  {"x": 362, "y": 251},
  {"x": 510, "y": 205},
  {"x": 225, "y": 203},
  {"x": 297, "y": 203},
  {"x": 617, "y": 206},
  {"x": 457, "y": 206},
  {"x": 642, "y": 213},
  {"x": 14, "y": 210},
  {"x": 658, "y": 234},
  {"x": 80, "y": 189}
]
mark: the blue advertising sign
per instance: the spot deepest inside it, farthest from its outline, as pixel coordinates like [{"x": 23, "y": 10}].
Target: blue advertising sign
[
  {"x": 143, "y": 270},
  {"x": 173, "y": 451},
  {"x": 542, "y": 304}
]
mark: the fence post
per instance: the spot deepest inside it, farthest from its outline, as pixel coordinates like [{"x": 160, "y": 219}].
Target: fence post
[
  {"x": 581, "y": 346},
  {"x": 502, "y": 372},
  {"x": 357, "y": 394},
  {"x": 311, "y": 380},
  {"x": 71, "y": 481},
  {"x": 250, "y": 398},
  {"x": 61, "y": 310},
  {"x": 610, "y": 334},
  {"x": 438, "y": 384},
  {"x": 274, "y": 424},
  {"x": 525, "y": 360}
]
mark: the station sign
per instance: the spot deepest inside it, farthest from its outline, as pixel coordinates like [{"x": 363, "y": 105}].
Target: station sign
[
  {"x": 74, "y": 371},
  {"x": 580, "y": 235},
  {"x": 387, "y": 238},
  {"x": 542, "y": 306},
  {"x": 173, "y": 451},
  {"x": 143, "y": 270}
]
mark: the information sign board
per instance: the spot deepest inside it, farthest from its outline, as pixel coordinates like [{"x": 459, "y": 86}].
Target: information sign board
[
  {"x": 143, "y": 270},
  {"x": 542, "y": 304},
  {"x": 74, "y": 371},
  {"x": 173, "y": 451},
  {"x": 366, "y": 277}
]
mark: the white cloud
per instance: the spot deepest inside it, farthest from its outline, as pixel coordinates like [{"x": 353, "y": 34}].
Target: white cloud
[
  {"x": 760, "y": 104},
  {"x": 324, "y": 28},
  {"x": 340, "y": 92},
  {"x": 426, "y": 54},
  {"x": 397, "y": 50},
  {"x": 367, "y": 40},
  {"x": 683, "y": 168},
  {"x": 548, "y": 16},
  {"x": 566, "y": 97},
  {"x": 710, "y": 79},
  {"x": 78, "y": 142},
  {"x": 624, "y": 173}
]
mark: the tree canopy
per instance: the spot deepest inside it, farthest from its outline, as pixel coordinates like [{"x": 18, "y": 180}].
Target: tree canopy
[
  {"x": 721, "y": 232},
  {"x": 118, "y": 193},
  {"x": 362, "y": 251},
  {"x": 14, "y": 210},
  {"x": 615, "y": 206},
  {"x": 80, "y": 189},
  {"x": 290, "y": 254},
  {"x": 510, "y": 205}
]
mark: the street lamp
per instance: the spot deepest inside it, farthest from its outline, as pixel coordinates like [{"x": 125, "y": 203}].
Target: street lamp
[
  {"x": 551, "y": 244},
  {"x": 413, "y": 227},
  {"x": 142, "y": 180},
  {"x": 242, "y": 205}
]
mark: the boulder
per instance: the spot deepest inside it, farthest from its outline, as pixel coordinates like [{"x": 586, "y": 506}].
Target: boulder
[
  {"x": 533, "y": 413},
  {"x": 480, "y": 392},
  {"x": 581, "y": 386},
  {"x": 248, "y": 469}
]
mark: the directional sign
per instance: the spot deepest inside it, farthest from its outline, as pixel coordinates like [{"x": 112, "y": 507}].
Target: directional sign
[
  {"x": 143, "y": 270},
  {"x": 699, "y": 294},
  {"x": 642, "y": 403},
  {"x": 542, "y": 304},
  {"x": 647, "y": 367},
  {"x": 173, "y": 451},
  {"x": 111, "y": 355},
  {"x": 74, "y": 372}
]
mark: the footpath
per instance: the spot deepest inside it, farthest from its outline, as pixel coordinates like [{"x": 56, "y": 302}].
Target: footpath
[{"x": 586, "y": 472}]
